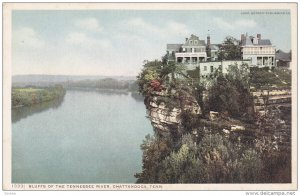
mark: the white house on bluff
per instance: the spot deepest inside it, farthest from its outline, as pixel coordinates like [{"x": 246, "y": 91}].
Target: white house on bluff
[
  {"x": 192, "y": 51},
  {"x": 196, "y": 54},
  {"x": 259, "y": 51}
]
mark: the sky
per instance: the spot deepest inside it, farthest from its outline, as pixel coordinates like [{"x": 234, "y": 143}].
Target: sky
[{"x": 116, "y": 42}]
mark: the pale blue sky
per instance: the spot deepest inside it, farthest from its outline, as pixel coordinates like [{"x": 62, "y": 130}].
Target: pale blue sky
[{"x": 107, "y": 42}]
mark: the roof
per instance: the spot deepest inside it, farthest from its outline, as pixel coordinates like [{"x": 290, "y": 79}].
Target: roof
[
  {"x": 283, "y": 56},
  {"x": 248, "y": 41},
  {"x": 202, "y": 42},
  {"x": 214, "y": 47},
  {"x": 193, "y": 38},
  {"x": 264, "y": 42},
  {"x": 174, "y": 47}
]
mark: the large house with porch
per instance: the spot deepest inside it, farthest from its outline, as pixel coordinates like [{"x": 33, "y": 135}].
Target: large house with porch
[
  {"x": 192, "y": 51},
  {"x": 260, "y": 52},
  {"x": 196, "y": 54}
]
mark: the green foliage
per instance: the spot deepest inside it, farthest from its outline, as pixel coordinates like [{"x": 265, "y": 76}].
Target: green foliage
[
  {"x": 263, "y": 78},
  {"x": 198, "y": 93},
  {"x": 284, "y": 75},
  {"x": 109, "y": 83},
  {"x": 154, "y": 151},
  {"x": 169, "y": 102},
  {"x": 134, "y": 87},
  {"x": 106, "y": 83},
  {"x": 194, "y": 74},
  {"x": 199, "y": 150},
  {"x": 230, "y": 49},
  {"x": 251, "y": 166},
  {"x": 231, "y": 93},
  {"x": 160, "y": 71},
  {"x": 214, "y": 159},
  {"x": 224, "y": 97},
  {"x": 181, "y": 167},
  {"x": 33, "y": 95},
  {"x": 149, "y": 72}
]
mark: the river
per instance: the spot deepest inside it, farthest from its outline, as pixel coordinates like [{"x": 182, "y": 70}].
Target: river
[{"x": 88, "y": 137}]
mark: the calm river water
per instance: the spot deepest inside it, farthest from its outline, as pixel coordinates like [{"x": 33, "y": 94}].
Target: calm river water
[{"x": 88, "y": 137}]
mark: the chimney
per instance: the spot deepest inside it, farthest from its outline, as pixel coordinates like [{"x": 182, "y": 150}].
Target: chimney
[
  {"x": 208, "y": 40},
  {"x": 243, "y": 38},
  {"x": 255, "y": 40},
  {"x": 258, "y": 36}
]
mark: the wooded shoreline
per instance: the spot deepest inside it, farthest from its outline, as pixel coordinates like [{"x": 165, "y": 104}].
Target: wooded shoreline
[{"x": 27, "y": 96}]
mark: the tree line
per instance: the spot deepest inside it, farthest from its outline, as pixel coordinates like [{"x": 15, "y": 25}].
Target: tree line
[
  {"x": 106, "y": 83},
  {"x": 31, "y": 95}
]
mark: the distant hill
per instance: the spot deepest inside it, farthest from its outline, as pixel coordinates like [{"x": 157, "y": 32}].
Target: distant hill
[{"x": 46, "y": 80}]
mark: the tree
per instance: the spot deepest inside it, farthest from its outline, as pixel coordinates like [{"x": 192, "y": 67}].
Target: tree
[
  {"x": 155, "y": 149},
  {"x": 250, "y": 166},
  {"x": 172, "y": 69},
  {"x": 157, "y": 73},
  {"x": 223, "y": 97},
  {"x": 229, "y": 49},
  {"x": 231, "y": 92},
  {"x": 149, "y": 73}
]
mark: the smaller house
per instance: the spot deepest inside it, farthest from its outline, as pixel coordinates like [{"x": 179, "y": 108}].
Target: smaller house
[
  {"x": 207, "y": 69},
  {"x": 283, "y": 59}
]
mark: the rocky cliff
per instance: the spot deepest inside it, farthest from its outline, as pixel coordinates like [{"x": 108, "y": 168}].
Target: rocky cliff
[
  {"x": 165, "y": 109},
  {"x": 165, "y": 113},
  {"x": 274, "y": 98}
]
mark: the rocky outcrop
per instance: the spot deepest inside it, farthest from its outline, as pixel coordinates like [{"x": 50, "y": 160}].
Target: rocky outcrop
[
  {"x": 164, "y": 110},
  {"x": 273, "y": 98}
]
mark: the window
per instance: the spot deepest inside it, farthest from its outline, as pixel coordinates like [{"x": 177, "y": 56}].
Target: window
[
  {"x": 205, "y": 68},
  {"x": 259, "y": 61},
  {"x": 194, "y": 59},
  {"x": 191, "y": 41},
  {"x": 272, "y": 60},
  {"x": 265, "y": 61},
  {"x": 211, "y": 69},
  {"x": 195, "y": 42}
]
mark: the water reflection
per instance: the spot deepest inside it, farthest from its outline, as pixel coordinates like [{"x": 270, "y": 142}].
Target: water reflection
[
  {"x": 137, "y": 96},
  {"x": 102, "y": 91},
  {"x": 23, "y": 112}
]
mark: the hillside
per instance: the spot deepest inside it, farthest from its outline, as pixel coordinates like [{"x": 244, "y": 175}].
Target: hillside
[{"x": 213, "y": 133}]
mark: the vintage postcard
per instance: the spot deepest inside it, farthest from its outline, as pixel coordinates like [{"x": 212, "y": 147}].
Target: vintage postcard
[{"x": 150, "y": 96}]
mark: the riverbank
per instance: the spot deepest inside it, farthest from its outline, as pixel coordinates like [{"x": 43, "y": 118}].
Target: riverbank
[{"x": 33, "y": 95}]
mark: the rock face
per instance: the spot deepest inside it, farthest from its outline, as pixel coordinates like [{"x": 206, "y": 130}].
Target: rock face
[
  {"x": 165, "y": 111},
  {"x": 276, "y": 98},
  {"x": 277, "y": 105}
]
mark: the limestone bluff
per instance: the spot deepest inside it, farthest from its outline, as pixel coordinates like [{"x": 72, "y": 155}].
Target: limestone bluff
[{"x": 164, "y": 117}]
